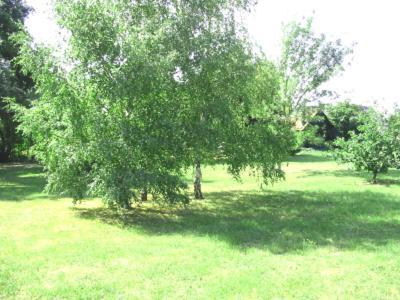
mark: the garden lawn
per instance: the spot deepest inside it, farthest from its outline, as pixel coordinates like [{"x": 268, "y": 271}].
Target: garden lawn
[{"x": 325, "y": 232}]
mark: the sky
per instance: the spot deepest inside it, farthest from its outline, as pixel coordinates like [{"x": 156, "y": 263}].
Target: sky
[{"x": 372, "y": 77}]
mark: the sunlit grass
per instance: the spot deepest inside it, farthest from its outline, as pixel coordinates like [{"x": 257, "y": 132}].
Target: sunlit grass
[{"x": 325, "y": 232}]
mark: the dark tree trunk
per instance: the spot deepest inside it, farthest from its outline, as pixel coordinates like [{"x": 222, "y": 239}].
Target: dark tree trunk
[
  {"x": 143, "y": 195},
  {"x": 197, "y": 182},
  {"x": 374, "y": 175},
  {"x": 5, "y": 155},
  {"x": 7, "y": 140},
  {"x": 3, "y": 148},
  {"x": 126, "y": 204}
]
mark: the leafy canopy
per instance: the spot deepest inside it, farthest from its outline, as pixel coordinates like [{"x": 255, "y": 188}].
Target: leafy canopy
[{"x": 145, "y": 89}]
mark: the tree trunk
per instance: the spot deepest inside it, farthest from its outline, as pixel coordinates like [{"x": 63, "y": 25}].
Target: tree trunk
[
  {"x": 197, "y": 182},
  {"x": 143, "y": 195},
  {"x": 374, "y": 175},
  {"x": 126, "y": 204},
  {"x": 5, "y": 156},
  {"x": 5, "y": 151}
]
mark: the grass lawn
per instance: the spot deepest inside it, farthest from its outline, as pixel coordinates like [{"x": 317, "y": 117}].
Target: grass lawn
[{"x": 325, "y": 233}]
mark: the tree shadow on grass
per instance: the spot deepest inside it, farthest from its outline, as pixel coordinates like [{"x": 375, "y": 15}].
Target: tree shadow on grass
[
  {"x": 20, "y": 182},
  {"x": 278, "y": 221},
  {"x": 310, "y": 158},
  {"x": 387, "y": 179}
]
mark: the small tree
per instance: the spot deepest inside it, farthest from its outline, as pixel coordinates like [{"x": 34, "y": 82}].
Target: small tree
[{"x": 372, "y": 149}]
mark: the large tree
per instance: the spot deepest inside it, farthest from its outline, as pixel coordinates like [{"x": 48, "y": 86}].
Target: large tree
[
  {"x": 147, "y": 89},
  {"x": 12, "y": 82}
]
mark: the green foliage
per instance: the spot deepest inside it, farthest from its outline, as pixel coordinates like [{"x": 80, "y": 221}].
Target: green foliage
[
  {"x": 345, "y": 117},
  {"x": 145, "y": 90},
  {"x": 101, "y": 137},
  {"x": 12, "y": 14},
  {"x": 373, "y": 148},
  {"x": 298, "y": 142},
  {"x": 309, "y": 137},
  {"x": 12, "y": 82},
  {"x": 266, "y": 137},
  {"x": 394, "y": 132},
  {"x": 308, "y": 60},
  {"x": 312, "y": 137}
]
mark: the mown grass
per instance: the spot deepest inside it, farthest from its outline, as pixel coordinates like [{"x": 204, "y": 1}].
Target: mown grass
[{"x": 325, "y": 232}]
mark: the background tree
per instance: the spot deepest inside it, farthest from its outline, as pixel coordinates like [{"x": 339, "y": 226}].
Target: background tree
[
  {"x": 12, "y": 82},
  {"x": 149, "y": 90},
  {"x": 313, "y": 138},
  {"x": 308, "y": 60},
  {"x": 372, "y": 148},
  {"x": 346, "y": 117}
]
